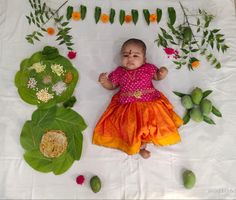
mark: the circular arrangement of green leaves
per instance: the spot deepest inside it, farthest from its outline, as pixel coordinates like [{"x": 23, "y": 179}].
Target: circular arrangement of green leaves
[
  {"x": 46, "y": 78},
  {"x": 54, "y": 118}
]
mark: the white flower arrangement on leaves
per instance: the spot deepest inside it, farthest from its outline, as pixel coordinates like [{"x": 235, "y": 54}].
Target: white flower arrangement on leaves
[
  {"x": 46, "y": 78},
  {"x": 46, "y": 94}
]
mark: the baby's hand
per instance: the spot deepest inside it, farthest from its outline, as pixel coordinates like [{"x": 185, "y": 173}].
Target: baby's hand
[
  {"x": 105, "y": 82},
  {"x": 103, "y": 78},
  {"x": 162, "y": 73}
]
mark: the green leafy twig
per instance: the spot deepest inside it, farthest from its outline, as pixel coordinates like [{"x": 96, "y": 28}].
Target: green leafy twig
[
  {"x": 184, "y": 37},
  {"x": 41, "y": 15}
]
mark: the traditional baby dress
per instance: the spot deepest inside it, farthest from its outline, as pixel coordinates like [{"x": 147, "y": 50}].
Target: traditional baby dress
[{"x": 137, "y": 114}]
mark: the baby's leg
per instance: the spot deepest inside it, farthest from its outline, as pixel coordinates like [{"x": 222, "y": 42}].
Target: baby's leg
[{"x": 143, "y": 152}]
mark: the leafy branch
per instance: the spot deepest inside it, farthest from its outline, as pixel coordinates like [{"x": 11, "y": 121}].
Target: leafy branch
[
  {"x": 184, "y": 37},
  {"x": 40, "y": 16}
]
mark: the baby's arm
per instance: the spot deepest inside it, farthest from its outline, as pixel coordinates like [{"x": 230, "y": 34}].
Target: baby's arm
[
  {"x": 105, "y": 82},
  {"x": 161, "y": 74}
]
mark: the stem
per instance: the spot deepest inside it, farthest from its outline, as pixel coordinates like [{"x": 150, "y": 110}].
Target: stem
[{"x": 55, "y": 12}]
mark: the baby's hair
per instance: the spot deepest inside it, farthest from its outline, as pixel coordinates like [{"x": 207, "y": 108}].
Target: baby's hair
[{"x": 137, "y": 42}]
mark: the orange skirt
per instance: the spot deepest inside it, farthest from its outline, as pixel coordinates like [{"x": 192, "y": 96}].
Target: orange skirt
[{"x": 128, "y": 126}]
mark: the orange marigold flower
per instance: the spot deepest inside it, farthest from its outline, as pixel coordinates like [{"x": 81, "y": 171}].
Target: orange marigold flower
[
  {"x": 104, "y": 18},
  {"x": 153, "y": 18},
  {"x": 128, "y": 18},
  {"x": 50, "y": 30},
  {"x": 195, "y": 64},
  {"x": 76, "y": 16}
]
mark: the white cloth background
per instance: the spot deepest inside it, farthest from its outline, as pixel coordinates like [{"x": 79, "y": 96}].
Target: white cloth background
[{"x": 207, "y": 150}]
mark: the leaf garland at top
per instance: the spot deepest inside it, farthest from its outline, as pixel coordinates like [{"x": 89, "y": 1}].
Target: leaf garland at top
[{"x": 184, "y": 37}]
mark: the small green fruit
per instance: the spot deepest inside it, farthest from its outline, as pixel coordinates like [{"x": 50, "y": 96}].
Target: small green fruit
[
  {"x": 187, "y": 33},
  {"x": 187, "y": 102},
  {"x": 189, "y": 179},
  {"x": 206, "y": 106},
  {"x": 196, "y": 95},
  {"x": 196, "y": 115},
  {"x": 95, "y": 184}
]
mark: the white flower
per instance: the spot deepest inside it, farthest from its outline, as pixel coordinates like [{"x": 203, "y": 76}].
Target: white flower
[
  {"x": 38, "y": 67},
  {"x": 57, "y": 69},
  {"x": 43, "y": 95},
  {"x": 59, "y": 87},
  {"x": 31, "y": 83},
  {"x": 47, "y": 79}
]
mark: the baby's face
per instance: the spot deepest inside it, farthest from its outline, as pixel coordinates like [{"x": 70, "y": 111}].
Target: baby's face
[{"x": 132, "y": 57}]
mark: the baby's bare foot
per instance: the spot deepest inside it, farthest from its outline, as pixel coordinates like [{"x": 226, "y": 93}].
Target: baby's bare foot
[{"x": 145, "y": 153}]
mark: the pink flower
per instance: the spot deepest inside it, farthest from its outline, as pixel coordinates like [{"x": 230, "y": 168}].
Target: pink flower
[
  {"x": 80, "y": 179},
  {"x": 71, "y": 54},
  {"x": 169, "y": 51}
]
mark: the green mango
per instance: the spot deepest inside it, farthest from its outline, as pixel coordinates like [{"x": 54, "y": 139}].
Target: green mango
[
  {"x": 196, "y": 114},
  {"x": 206, "y": 106},
  {"x": 187, "y": 34},
  {"x": 196, "y": 95},
  {"x": 186, "y": 102},
  {"x": 189, "y": 179},
  {"x": 95, "y": 184}
]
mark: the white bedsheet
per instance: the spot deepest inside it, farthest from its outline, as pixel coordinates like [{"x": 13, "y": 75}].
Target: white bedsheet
[{"x": 207, "y": 150}]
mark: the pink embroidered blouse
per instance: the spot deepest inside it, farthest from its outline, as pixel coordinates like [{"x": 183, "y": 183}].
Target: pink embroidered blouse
[{"x": 135, "y": 85}]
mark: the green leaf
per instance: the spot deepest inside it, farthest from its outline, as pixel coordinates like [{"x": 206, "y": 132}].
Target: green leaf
[
  {"x": 206, "y": 93},
  {"x": 209, "y": 56},
  {"x": 30, "y": 136},
  {"x": 29, "y": 20},
  {"x": 198, "y": 21},
  {"x": 186, "y": 117},
  {"x": 75, "y": 144},
  {"x": 216, "y": 112},
  {"x": 66, "y": 118},
  {"x": 43, "y": 117},
  {"x": 122, "y": 16},
  {"x": 112, "y": 15},
  {"x": 146, "y": 14},
  {"x": 185, "y": 51},
  {"x": 166, "y": 35},
  {"x": 65, "y": 23},
  {"x": 83, "y": 11},
  {"x": 208, "y": 120},
  {"x": 62, "y": 163},
  {"x": 37, "y": 161},
  {"x": 218, "y": 65},
  {"x": 98, "y": 11},
  {"x": 159, "y": 14},
  {"x": 134, "y": 14},
  {"x": 162, "y": 41},
  {"x": 70, "y": 102},
  {"x": 172, "y": 15},
  {"x": 179, "y": 94}
]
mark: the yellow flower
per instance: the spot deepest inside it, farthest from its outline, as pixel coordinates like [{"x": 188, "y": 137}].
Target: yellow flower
[
  {"x": 195, "y": 64},
  {"x": 76, "y": 15},
  {"x": 153, "y": 18},
  {"x": 104, "y": 18},
  {"x": 50, "y": 31},
  {"x": 128, "y": 18}
]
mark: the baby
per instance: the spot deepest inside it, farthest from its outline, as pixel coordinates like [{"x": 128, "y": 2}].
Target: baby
[{"x": 138, "y": 114}]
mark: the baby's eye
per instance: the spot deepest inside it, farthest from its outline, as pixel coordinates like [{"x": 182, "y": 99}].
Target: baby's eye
[
  {"x": 125, "y": 55},
  {"x": 136, "y": 56}
]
